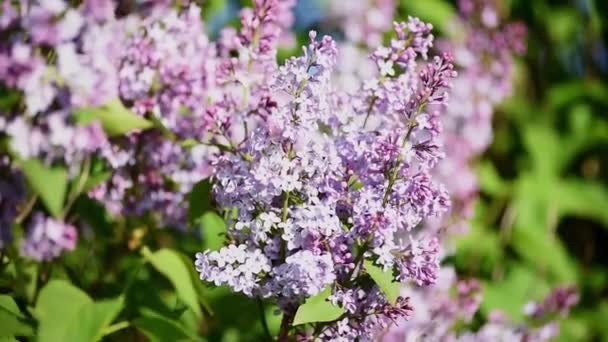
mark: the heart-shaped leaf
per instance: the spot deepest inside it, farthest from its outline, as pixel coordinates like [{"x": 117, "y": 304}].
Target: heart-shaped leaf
[{"x": 318, "y": 309}]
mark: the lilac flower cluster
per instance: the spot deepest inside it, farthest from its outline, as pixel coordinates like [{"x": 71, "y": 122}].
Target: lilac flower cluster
[
  {"x": 167, "y": 71},
  {"x": 370, "y": 314},
  {"x": 438, "y": 310},
  {"x": 153, "y": 59},
  {"x": 48, "y": 238},
  {"x": 331, "y": 179},
  {"x": 363, "y": 21},
  {"x": 12, "y": 193},
  {"x": 54, "y": 58}
]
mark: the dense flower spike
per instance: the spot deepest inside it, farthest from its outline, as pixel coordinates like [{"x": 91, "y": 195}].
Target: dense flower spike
[{"x": 313, "y": 195}]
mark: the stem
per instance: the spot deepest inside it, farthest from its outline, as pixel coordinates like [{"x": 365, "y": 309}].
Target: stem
[
  {"x": 26, "y": 210},
  {"x": 115, "y": 327},
  {"x": 285, "y": 212},
  {"x": 391, "y": 182},
  {"x": 358, "y": 259},
  {"x": 76, "y": 191},
  {"x": 393, "y": 177},
  {"x": 369, "y": 110},
  {"x": 2, "y": 265},
  {"x": 263, "y": 319},
  {"x": 285, "y": 325},
  {"x": 285, "y": 206}
]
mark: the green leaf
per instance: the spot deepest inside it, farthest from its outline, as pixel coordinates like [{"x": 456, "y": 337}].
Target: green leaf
[
  {"x": 199, "y": 200},
  {"x": 65, "y": 313},
  {"x": 318, "y": 309},
  {"x": 26, "y": 277},
  {"x": 93, "y": 318},
  {"x": 562, "y": 94},
  {"x": 354, "y": 183},
  {"x": 12, "y": 321},
  {"x": 490, "y": 181},
  {"x": 8, "y": 100},
  {"x": 562, "y": 24},
  {"x": 582, "y": 198},
  {"x": 213, "y": 230},
  {"x": 114, "y": 118},
  {"x": 97, "y": 175},
  {"x": 49, "y": 183},
  {"x": 8, "y": 339},
  {"x": 544, "y": 147},
  {"x": 158, "y": 328},
  {"x": 480, "y": 246},
  {"x": 511, "y": 294},
  {"x": 437, "y": 12},
  {"x": 384, "y": 280},
  {"x": 198, "y": 286},
  {"x": 171, "y": 265},
  {"x": 213, "y": 9},
  {"x": 8, "y": 304},
  {"x": 545, "y": 252},
  {"x": 58, "y": 305}
]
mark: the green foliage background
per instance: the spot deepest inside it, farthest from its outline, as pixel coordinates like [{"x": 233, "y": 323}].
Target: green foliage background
[{"x": 542, "y": 219}]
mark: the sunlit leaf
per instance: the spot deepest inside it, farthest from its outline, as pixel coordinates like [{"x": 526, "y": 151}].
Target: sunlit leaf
[
  {"x": 583, "y": 198},
  {"x": 384, "y": 280},
  {"x": 65, "y": 313},
  {"x": 171, "y": 265},
  {"x": 199, "y": 200},
  {"x": 318, "y": 309},
  {"x": 12, "y": 321},
  {"x": 114, "y": 117},
  {"x": 437, "y": 12},
  {"x": 50, "y": 183},
  {"x": 213, "y": 229},
  {"x": 158, "y": 328}
]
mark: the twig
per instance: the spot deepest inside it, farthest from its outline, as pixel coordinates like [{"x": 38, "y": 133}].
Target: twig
[
  {"x": 285, "y": 325},
  {"x": 263, "y": 319},
  {"x": 116, "y": 327},
  {"x": 76, "y": 191},
  {"x": 27, "y": 209}
]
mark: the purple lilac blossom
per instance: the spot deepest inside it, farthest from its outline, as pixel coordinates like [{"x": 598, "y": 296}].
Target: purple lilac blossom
[
  {"x": 55, "y": 58},
  {"x": 160, "y": 63},
  {"x": 48, "y": 238},
  {"x": 363, "y": 21},
  {"x": 12, "y": 195},
  {"x": 291, "y": 184}
]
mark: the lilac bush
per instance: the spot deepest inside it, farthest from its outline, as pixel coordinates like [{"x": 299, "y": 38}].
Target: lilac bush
[{"x": 340, "y": 174}]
